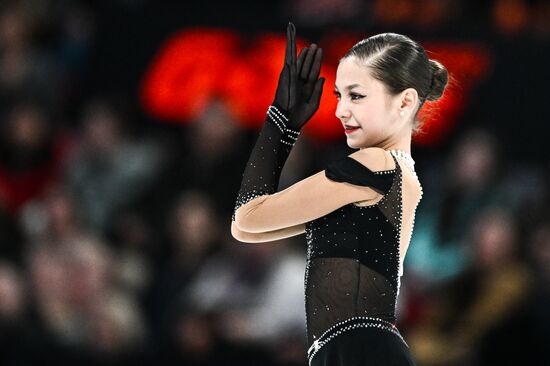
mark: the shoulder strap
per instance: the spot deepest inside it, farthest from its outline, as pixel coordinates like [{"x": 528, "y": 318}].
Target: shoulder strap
[{"x": 351, "y": 171}]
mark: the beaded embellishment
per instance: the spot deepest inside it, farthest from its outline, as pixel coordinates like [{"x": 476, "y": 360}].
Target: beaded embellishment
[
  {"x": 403, "y": 156},
  {"x": 349, "y": 324},
  {"x": 409, "y": 162},
  {"x": 290, "y": 135}
]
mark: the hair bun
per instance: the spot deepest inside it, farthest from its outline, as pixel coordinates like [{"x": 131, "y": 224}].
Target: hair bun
[{"x": 440, "y": 78}]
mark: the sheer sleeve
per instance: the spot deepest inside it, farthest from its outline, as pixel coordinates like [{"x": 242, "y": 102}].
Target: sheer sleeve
[{"x": 266, "y": 161}]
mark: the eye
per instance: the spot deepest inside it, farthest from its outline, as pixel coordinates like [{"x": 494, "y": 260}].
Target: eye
[
  {"x": 337, "y": 94},
  {"x": 355, "y": 96}
]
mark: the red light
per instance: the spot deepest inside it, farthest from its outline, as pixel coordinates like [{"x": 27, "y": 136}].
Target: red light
[{"x": 194, "y": 66}]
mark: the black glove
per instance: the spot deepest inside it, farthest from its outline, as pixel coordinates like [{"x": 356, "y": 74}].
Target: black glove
[
  {"x": 299, "y": 89},
  {"x": 296, "y": 100}
]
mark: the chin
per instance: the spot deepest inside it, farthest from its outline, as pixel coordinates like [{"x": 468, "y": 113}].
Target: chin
[{"x": 356, "y": 144}]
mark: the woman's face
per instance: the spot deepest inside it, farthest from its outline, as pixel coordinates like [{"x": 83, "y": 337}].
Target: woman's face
[{"x": 363, "y": 102}]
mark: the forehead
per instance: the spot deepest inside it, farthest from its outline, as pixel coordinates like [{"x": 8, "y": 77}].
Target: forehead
[{"x": 353, "y": 71}]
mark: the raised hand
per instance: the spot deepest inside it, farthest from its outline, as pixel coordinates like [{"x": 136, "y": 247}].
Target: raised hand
[{"x": 300, "y": 88}]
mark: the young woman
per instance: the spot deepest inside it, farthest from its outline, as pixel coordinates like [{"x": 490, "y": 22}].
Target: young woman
[{"x": 358, "y": 213}]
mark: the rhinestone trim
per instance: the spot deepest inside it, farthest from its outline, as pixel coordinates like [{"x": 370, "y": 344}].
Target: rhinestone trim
[
  {"x": 403, "y": 156},
  {"x": 409, "y": 162},
  {"x": 290, "y": 135},
  {"x": 344, "y": 326},
  {"x": 274, "y": 110},
  {"x": 277, "y": 119}
]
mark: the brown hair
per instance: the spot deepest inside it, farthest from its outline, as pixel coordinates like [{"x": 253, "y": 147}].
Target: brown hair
[{"x": 401, "y": 63}]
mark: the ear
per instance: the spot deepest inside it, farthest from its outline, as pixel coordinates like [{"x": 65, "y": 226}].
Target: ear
[{"x": 408, "y": 100}]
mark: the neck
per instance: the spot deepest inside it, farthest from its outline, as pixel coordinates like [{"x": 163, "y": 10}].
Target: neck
[{"x": 400, "y": 142}]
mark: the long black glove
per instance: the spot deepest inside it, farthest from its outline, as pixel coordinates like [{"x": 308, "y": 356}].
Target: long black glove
[{"x": 296, "y": 100}]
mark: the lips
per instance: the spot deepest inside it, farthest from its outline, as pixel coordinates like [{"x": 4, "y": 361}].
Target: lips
[{"x": 350, "y": 129}]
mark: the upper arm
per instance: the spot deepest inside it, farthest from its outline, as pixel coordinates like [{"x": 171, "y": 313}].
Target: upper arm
[{"x": 308, "y": 199}]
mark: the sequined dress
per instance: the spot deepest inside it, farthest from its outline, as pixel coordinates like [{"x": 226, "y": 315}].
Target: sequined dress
[
  {"x": 353, "y": 266},
  {"x": 353, "y": 272}
]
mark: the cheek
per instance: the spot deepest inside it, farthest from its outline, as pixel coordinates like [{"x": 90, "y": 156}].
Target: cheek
[
  {"x": 368, "y": 116},
  {"x": 361, "y": 113}
]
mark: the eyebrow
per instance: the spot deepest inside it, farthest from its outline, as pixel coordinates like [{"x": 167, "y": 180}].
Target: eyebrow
[{"x": 349, "y": 87}]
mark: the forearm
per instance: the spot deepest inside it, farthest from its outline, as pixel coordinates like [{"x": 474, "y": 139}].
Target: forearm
[
  {"x": 267, "y": 236},
  {"x": 266, "y": 161}
]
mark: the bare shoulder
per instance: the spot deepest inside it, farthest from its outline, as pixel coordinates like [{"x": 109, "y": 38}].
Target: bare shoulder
[{"x": 374, "y": 158}]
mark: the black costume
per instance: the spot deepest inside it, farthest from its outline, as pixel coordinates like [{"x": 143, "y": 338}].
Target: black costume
[{"x": 353, "y": 261}]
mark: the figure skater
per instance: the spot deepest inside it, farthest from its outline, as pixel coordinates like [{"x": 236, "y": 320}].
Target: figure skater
[{"x": 357, "y": 213}]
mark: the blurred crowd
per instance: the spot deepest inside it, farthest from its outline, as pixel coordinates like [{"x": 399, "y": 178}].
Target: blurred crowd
[{"x": 115, "y": 242}]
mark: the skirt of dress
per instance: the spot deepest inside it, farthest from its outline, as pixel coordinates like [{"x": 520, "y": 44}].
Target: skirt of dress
[{"x": 368, "y": 346}]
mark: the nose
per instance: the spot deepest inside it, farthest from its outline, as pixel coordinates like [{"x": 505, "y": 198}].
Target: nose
[{"x": 342, "y": 111}]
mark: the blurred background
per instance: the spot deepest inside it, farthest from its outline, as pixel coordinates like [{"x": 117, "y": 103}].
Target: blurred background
[{"x": 125, "y": 126}]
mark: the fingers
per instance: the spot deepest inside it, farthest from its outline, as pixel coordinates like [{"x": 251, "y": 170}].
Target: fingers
[
  {"x": 317, "y": 91},
  {"x": 301, "y": 57},
  {"x": 309, "y": 63},
  {"x": 292, "y": 87},
  {"x": 288, "y": 51},
  {"x": 293, "y": 44},
  {"x": 306, "y": 66},
  {"x": 316, "y": 67},
  {"x": 290, "y": 54}
]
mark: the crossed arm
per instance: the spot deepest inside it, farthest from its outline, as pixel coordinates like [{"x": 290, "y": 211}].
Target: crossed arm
[{"x": 284, "y": 214}]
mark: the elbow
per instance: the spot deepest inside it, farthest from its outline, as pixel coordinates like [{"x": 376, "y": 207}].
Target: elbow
[
  {"x": 242, "y": 222},
  {"x": 237, "y": 233},
  {"x": 244, "y": 236},
  {"x": 236, "y": 229},
  {"x": 250, "y": 218}
]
